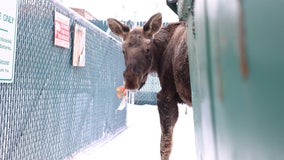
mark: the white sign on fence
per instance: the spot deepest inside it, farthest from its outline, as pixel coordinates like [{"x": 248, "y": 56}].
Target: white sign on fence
[
  {"x": 8, "y": 34},
  {"x": 79, "y": 51}
]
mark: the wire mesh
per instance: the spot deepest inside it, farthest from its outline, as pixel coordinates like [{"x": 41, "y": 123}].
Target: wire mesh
[
  {"x": 148, "y": 93},
  {"x": 53, "y": 109}
]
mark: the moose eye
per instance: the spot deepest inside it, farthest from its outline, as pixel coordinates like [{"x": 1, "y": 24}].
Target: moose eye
[
  {"x": 147, "y": 51},
  {"x": 123, "y": 52},
  {"x": 148, "y": 54}
]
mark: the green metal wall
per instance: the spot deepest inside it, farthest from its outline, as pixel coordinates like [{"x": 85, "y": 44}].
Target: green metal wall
[
  {"x": 236, "y": 64},
  {"x": 52, "y": 109}
]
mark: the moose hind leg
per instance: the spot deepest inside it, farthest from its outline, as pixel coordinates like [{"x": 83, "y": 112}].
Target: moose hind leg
[{"x": 168, "y": 112}]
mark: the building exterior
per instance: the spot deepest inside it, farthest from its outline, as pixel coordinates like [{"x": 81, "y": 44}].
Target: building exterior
[{"x": 84, "y": 13}]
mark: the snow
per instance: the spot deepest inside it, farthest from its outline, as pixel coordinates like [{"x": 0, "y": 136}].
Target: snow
[{"x": 141, "y": 140}]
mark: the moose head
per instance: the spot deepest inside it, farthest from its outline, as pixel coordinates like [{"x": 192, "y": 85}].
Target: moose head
[{"x": 137, "y": 49}]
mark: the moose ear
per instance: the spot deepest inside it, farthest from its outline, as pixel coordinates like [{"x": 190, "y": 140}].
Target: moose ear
[
  {"x": 153, "y": 25},
  {"x": 118, "y": 28}
]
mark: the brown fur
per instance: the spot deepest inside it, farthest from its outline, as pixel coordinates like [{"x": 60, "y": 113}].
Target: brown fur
[{"x": 151, "y": 49}]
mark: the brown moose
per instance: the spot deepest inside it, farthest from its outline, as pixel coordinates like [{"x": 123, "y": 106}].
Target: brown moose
[{"x": 151, "y": 48}]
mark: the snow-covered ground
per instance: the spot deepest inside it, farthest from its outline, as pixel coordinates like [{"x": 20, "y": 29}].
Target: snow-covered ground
[{"x": 141, "y": 140}]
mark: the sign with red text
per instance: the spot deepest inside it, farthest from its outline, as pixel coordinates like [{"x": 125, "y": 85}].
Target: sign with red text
[
  {"x": 62, "y": 30},
  {"x": 8, "y": 38}
]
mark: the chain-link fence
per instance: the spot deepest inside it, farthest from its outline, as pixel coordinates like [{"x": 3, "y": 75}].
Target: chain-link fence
[
  {"x": 52, "y": 109},
  {"x": 148, "y": 93}
]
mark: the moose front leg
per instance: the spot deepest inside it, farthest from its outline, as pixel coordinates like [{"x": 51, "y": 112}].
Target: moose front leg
[{"x": 168, "y": 112}]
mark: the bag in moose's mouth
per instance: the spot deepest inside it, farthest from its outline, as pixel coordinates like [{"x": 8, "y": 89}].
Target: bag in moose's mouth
[{"x": 130, "y": 94}]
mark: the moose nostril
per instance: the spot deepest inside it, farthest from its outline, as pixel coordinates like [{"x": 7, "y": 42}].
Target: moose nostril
[{"x": 136, "y": 70}]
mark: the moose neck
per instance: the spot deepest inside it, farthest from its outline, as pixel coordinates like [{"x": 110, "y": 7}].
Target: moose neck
[{"x": 160, "y": 42}]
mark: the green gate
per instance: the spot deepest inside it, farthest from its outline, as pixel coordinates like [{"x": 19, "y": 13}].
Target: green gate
[{"x": 236, "y": 55}]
